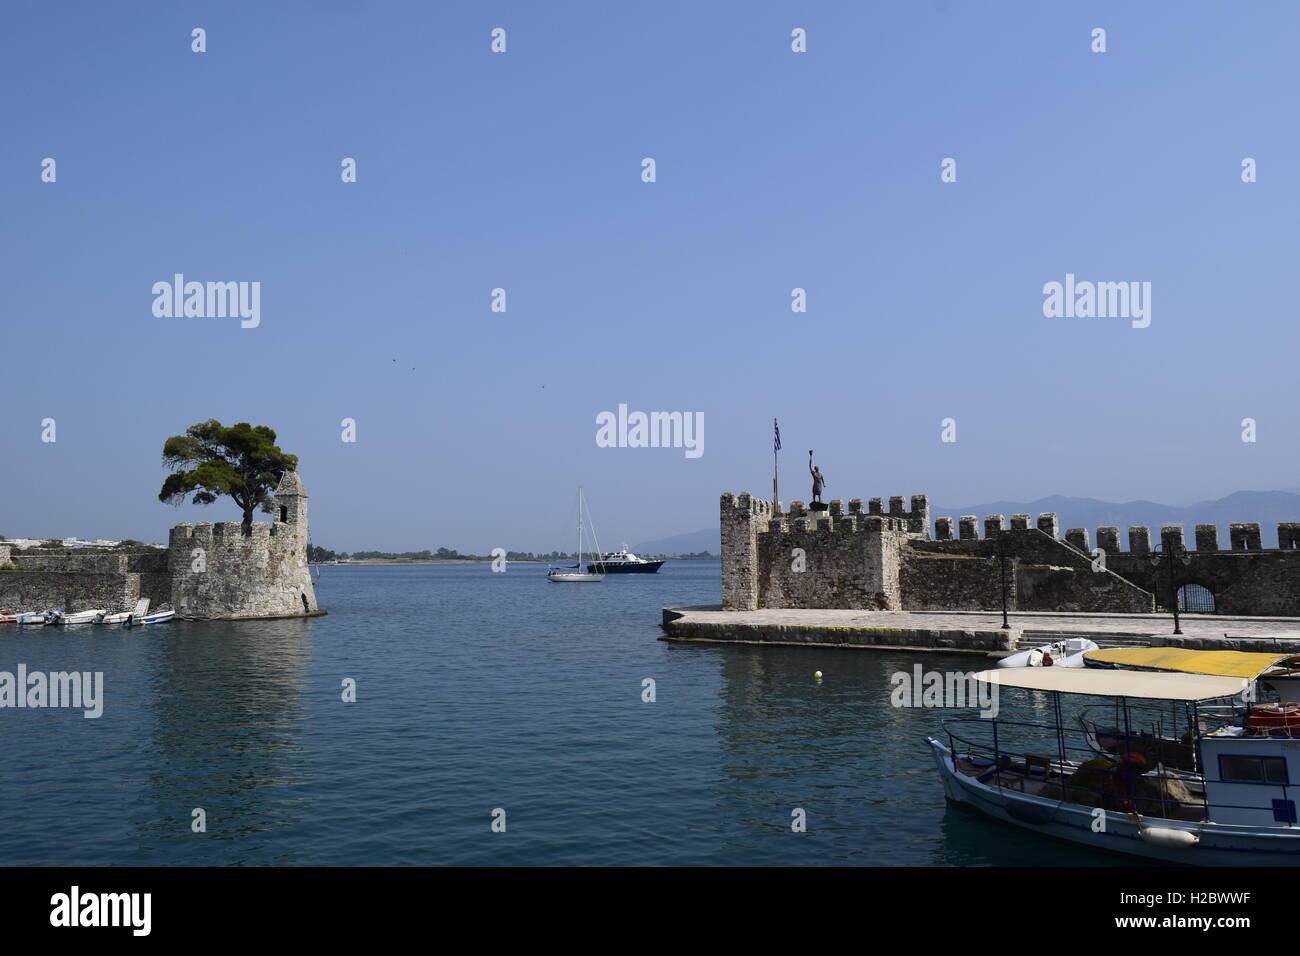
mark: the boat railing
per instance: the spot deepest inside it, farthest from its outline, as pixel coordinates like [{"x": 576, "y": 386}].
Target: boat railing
[{"x": 1117, "y": 792}]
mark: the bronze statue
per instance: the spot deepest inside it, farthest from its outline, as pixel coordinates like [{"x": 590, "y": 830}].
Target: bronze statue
[{"x": 819, "y": 482}]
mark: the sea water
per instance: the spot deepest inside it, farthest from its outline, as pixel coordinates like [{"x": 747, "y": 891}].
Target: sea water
[{"x": 481, "y": 697}]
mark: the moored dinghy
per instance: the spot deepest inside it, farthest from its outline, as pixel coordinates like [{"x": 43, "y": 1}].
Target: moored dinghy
[
  {"x": 1067, "y": 653},
  {"x": 141, "y": 609},
  {"x": 160, "y": 616},
  {"x": 77, "y": 617}
]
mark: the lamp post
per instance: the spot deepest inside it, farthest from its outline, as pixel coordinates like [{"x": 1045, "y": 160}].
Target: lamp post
[
  {"x": 1002, "y": 561},
  {"x": 1170, "y": 554}
]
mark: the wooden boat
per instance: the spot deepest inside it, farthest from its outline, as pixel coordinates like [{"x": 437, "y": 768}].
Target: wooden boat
[
  {"x": 1238, "y": 809},
  {"x": 574, "y": 574},
  {"x": 1170, "y": 739},
  {"x": 1067, "y": 653}
]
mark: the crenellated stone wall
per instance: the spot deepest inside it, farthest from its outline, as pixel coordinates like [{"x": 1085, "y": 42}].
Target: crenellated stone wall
[
  {"x": 207, "y": 571},
  {"x": 216, "y": 571},
  {"x": 886, "y": 559}
]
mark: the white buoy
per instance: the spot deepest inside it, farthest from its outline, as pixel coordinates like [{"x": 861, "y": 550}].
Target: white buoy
[{"x": 817, "y": 675}]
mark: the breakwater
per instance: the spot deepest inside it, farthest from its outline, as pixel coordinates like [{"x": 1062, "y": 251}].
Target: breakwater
[{"x": 970, "y": 631}]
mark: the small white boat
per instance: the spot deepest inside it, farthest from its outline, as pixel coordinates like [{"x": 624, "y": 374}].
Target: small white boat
[
  {"x": 160, "y": 616},
  {"x": 121, "y": 617},
  {"x": 35, "y": 617},
  {"x": 574, "y": 574},
  {"x": 1067, "y": 653},
  {"x": 572, "y": 577},
  {"x": 11, "y": 617},
  {"x": 78, "y": 617}
]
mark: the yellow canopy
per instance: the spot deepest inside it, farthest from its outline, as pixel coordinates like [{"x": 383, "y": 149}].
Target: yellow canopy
[{"x": 1215, "y": 663}]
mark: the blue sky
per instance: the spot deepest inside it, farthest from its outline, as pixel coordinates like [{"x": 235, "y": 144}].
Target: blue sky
[{"x": 522, "y": 170}]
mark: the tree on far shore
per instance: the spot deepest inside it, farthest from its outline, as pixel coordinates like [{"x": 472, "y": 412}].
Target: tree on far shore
[{"x": 211, "y": 460}]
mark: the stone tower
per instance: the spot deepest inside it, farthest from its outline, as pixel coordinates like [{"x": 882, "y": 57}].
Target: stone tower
[
  {"x": 291, "y": 532},
  {"x": 291, "y": 502},
  {"x": 217, "y": 572}
]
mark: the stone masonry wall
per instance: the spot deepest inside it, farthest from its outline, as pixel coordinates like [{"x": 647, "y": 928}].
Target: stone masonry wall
[
  {"x": 1049, "y": 574},
  {"x": 68, "y": 590},
  {"x": 883, "y": 556},
  {"x": 207, "y": 572},
  {"x": 217, "y": 572},
  {"x": 873, "y": 559},
  {"x": 940, "y": 582},
  {"x": 835, "y": 558},
  {"x": 848, "y": 562}
]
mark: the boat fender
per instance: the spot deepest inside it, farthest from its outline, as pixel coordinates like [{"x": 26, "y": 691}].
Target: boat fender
[
  {"x": 1168, "y": 837},
  {"x": 1047, "y": 660}
]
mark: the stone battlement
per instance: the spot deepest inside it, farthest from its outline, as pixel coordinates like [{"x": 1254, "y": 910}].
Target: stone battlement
[
  {"x": 1244, "y": 536},
  {"x": 886, "y": 557},
  {"x": 217, "y": 571},
  {"x": 208, "y": 571},
  {"x": 913, "y": 518}
]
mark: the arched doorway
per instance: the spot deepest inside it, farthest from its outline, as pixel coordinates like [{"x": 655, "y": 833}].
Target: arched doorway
[{"x": 1196, "y": 599}]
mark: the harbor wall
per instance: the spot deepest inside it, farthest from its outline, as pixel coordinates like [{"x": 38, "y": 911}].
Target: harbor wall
[
  {"x": 816, "y": 635},
  {"x": 67, "y": 590}
]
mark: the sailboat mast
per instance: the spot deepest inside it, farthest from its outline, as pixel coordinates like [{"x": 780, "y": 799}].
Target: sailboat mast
[{"x": 579, "y": 527}]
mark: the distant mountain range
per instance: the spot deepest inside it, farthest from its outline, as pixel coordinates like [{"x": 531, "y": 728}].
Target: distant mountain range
[
  {"x": 1265, "y": 507},
  {"x": 692, "y": 542}
]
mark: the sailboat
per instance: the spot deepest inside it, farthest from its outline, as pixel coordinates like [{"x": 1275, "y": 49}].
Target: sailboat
[{"x": 575, "y": 574}]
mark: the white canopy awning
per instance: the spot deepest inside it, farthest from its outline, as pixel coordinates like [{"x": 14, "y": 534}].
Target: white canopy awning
[{"x": 1146, "y": 685}]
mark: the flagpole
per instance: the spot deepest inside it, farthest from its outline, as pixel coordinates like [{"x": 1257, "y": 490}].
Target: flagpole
[{"x": 776, "y": 497}]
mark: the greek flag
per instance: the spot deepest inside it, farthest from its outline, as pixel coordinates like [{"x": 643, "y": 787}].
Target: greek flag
[{"x": 776, "y": 441}]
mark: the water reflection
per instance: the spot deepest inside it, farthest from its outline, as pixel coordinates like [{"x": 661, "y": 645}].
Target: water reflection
[
  {"x": 228, "y": 716},
  {"x": 856, "y": 764}
]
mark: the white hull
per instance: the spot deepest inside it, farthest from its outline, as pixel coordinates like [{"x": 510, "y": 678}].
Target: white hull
[
  {"x": 573, "y": 578},
  {"x": 1216, "y": 844},
  {"x": 81, "y": 617},
  {"x": 1061, "y": 655},
  {"x": 141, "y": 609},
  {"x": 157, "y": 618}
]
